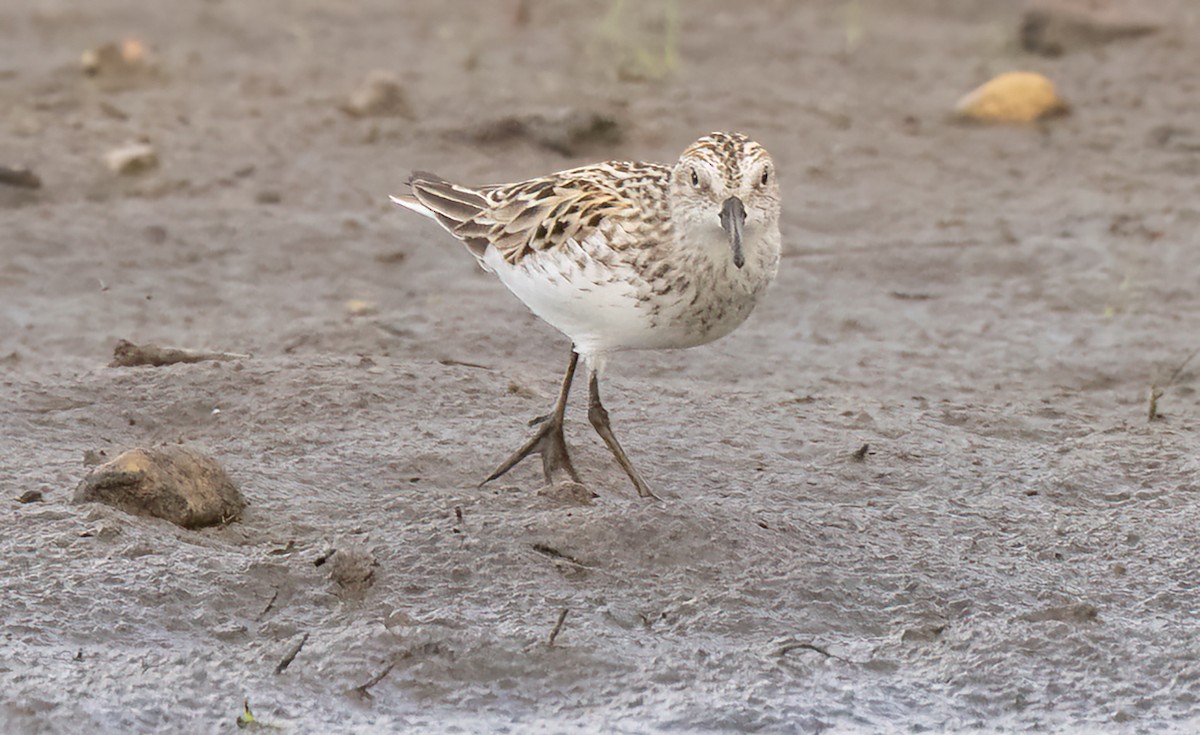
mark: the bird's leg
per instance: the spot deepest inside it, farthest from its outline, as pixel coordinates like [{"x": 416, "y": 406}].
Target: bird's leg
[
  {"x": 598, "y": 415},
  {"x": 548, "y": 440}
]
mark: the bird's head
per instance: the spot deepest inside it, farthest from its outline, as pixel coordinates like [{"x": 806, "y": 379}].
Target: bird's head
[{"x": 725, "y": 182}]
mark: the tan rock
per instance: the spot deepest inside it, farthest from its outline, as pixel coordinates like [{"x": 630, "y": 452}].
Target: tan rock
[
  {"x": 360, "y": 307},
  {"x": 178, "y": 484},
  {"x": 1017, "y": 96},
  {"x": 132, "y": 158}
]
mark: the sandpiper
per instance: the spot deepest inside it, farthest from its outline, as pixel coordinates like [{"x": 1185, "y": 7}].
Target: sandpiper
[{"x": 621, "y": 256}]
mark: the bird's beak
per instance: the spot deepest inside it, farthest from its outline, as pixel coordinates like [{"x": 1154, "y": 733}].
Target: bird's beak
[{"x": 733, "y": 220}]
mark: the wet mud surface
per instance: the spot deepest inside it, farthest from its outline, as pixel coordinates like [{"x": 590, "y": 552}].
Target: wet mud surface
[{"x": 985, "y": 309}]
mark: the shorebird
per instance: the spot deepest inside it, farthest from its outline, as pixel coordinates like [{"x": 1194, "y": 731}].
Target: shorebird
[{"x": 621, "y": 256}]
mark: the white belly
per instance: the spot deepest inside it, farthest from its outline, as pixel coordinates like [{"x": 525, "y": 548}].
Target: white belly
[
  {"x": 604, "y": 304},
  {"x": 596, "y": 308}
]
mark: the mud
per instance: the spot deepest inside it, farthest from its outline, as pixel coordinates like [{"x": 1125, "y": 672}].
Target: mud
[{"x": 987, "y": 308}]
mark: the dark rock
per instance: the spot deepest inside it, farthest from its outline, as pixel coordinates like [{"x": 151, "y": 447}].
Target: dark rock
[
  {"x": 1055, "y": 27},
  {"x": 19, "y": 176}
]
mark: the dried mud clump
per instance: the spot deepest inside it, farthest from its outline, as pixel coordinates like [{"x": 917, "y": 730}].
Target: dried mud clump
[
  {"x": 568, "y": 132},
  {"x": 1056, "y": 27},
  {"x": 1080, "y": 612},
  {"x": 380, "y": 94},
  {"x": 178, "y": 484},
  {"x": 352, "y": 569},
  {"x": 127, "y": 354}
]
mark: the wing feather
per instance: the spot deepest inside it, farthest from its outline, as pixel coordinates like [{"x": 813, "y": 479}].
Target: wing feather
[{"x": 537, "y": 214}]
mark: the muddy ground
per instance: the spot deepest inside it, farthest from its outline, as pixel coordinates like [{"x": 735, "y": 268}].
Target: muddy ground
[{"x": 986, "y": 307}]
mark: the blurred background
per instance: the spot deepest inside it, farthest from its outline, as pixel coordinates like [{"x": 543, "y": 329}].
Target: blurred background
[{"x": 227, "y": 116}]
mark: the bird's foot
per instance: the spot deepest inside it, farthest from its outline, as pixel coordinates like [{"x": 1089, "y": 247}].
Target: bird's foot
[
  {"x": 549, "y": 443},
  {"x": 598, "y": 415},
  {"x": 643, "y": 490}
]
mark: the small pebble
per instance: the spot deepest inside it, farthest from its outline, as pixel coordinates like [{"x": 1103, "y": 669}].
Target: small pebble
[
  {"x": 132, "y": 158},
  {"x": 360, "y": 307},
  {"x": 380, "y": 94},
  {"x": 111, "y": 58}
]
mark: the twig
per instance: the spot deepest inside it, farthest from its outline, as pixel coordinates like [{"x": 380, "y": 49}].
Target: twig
[
  {"x": 1156, "y": 392},
  {"x": 452, "y": 362},
  {"x": 562, "y": 616},
  {"x": 554, "y": 553},
  {"x": 270, "y": 605},
  {"x": 790, "y": 646},
  {"x": 1179, "y": 370},
  {"x": 291, "y": 655},
  {"x": 362, "y": 690},
  {"x": 558, "y": 556}
]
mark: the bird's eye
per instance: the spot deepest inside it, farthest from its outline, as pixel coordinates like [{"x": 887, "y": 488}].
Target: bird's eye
[
  {"x": 766, "y": 176},
  {"x": 695, "y": 178}
]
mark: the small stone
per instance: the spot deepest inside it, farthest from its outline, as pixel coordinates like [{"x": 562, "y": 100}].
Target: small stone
[
  {"x": 131, "y": 158},
  {"x": 229, "y": 632},
  {"x": 268, "y": 197},
  {"x": 380, "y": 94},
  {"x": 359, "y": 307},
  {"x": 30, "y": 496},
  {"x": 175, "y": 483},
  {"x": 124, "y": 57}
]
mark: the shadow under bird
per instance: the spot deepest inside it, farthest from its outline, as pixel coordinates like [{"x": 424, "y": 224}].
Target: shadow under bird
[{"x": 621, "y": 256}]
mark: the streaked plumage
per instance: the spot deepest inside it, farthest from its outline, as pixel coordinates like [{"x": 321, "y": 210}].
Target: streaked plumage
[{"x": 622, "y": 255}]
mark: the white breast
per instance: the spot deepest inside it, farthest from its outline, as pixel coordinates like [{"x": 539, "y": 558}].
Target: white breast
[{"x": 595, "y": 305}]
